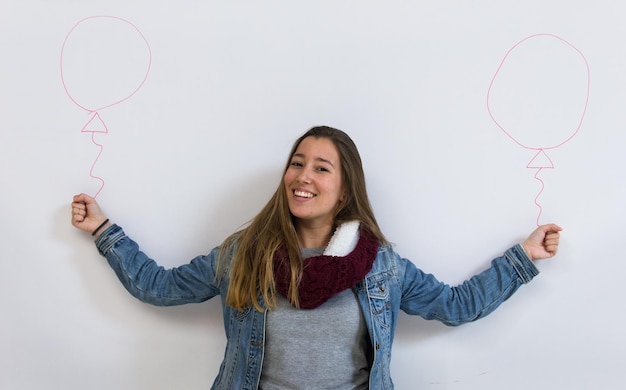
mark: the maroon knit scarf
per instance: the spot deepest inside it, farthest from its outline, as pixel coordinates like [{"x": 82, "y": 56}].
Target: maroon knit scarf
[{"x": 325, "y": 276}]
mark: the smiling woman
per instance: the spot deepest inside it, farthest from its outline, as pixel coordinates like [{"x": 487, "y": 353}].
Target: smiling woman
[{"x": 313, "y": 272}]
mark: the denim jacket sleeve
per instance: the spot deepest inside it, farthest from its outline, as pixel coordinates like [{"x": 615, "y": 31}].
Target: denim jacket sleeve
[
  {"x": 151, "y": 283},
  {"x": 424, "y": 295}
]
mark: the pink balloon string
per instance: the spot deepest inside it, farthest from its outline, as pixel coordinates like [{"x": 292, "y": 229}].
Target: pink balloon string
[
  {"x": 91, "y": 170},
  {"x": 539, "y": 194}
]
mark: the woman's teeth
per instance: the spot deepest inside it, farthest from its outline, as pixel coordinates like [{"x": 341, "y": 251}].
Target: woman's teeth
[{"x": 303, "y": 194}]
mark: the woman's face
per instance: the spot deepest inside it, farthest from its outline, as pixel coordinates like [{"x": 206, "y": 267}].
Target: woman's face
[{"x": 313, "y": 182}]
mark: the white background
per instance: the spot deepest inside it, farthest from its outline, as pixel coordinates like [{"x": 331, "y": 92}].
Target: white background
[{"x": 199, "y": 149}]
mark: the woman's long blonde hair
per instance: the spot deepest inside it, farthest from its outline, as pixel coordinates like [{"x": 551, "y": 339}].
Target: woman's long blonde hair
[{"x": 251, "y": 270}]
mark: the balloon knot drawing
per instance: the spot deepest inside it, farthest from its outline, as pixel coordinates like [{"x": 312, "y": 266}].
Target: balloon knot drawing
[
  {"x": 105, "y": 60},
  {"x": 538, "y": 97}
]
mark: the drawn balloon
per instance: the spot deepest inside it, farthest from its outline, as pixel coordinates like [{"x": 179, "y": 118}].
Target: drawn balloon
[
  {"x": 105, "y": 60},
  {"x": 538, "y": 97}
]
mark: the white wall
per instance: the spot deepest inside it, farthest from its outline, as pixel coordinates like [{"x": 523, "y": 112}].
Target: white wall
[{"x": 199, "y": 148}]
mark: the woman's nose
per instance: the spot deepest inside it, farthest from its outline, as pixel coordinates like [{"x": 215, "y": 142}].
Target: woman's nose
[{"x": 304, "y": 176}]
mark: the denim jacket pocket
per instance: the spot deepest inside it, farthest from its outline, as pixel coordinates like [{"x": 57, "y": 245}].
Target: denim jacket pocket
[{"x": 379, "y": 299}]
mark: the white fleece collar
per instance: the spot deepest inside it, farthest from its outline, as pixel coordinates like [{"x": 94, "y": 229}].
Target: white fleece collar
[{"x": 344, "y": 239}]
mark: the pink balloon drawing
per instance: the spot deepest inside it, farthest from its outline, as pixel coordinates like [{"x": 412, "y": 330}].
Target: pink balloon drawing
[
  {"x": 105, "y": 60},
  {"x": 538, "y": 97}
]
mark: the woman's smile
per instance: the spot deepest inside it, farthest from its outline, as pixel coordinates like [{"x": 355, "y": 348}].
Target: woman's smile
[{"x": 303, "y": 194}]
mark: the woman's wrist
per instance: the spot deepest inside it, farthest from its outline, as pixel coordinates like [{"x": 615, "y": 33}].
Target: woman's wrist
[{"x": 102, "y": 227}]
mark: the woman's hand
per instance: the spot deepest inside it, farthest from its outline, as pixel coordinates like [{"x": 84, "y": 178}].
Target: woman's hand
[
  {"x": 87, "y": 215},
  {"x": 543, "y": 242}
]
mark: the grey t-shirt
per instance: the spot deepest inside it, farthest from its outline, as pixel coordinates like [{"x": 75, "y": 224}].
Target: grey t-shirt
[{"x": 324, "y": 348}]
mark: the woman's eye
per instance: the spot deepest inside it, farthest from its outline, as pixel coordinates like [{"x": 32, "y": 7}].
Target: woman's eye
[
  {"x": 323, "y": 169},
  {"x": 296, "y": 164}
]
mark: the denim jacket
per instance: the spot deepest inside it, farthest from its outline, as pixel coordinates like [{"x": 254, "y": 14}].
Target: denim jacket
[{"x": 393, "y": 284}]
